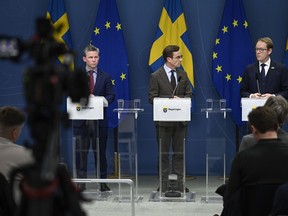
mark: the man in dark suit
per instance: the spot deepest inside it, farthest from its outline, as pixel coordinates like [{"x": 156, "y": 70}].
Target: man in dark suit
[
  {"x": 263, "y": 163},
  {"x": 163, "y": 83},
  {"x": 84, "y": 131},
  {"x": 265, "y": 77}
]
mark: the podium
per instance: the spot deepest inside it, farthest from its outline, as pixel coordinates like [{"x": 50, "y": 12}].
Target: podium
[
  {"x": 171, "y": 112},
  {"x": 93, "y": 111},
  {"x": 127, "y": 157},
  {"x": 215, "y": 157},
  {"x": 248, "y": 104}
]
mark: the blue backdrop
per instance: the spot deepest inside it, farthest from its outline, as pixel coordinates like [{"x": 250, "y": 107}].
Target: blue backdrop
[{"x": 140, "y": 21}]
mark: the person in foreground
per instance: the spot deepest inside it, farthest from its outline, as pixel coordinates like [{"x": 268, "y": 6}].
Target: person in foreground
[
  {"x": 265, "y": 77},
  {"x": 12, "y": 155},
  {"x": 280, "y": 107},
  {"x": 172, "y": 82},
  {"x": 264, "y": 163},
  {"x": 84, "y": 131}
]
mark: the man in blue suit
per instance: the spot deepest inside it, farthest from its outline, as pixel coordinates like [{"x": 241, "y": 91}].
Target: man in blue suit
[
  {"x": 265, "y": 77},
  {"x": 84, "y": 131}
]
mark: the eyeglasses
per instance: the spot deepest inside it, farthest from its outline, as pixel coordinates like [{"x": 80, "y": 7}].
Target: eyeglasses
[
  {"x": 260, "y": 50},
  {"x": 178, "y": 57}
]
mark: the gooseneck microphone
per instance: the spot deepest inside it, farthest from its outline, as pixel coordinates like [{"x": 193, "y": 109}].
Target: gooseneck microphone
[
  {"x": 174, "y": 91},
  {"x": 257, "y": 82}
]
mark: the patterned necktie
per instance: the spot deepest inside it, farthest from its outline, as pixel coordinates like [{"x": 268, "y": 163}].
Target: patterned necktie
[
  {"x": 173, "y": 81},
  {"x": 263, "y": 71},
  {"x": 91, "y": 82}
]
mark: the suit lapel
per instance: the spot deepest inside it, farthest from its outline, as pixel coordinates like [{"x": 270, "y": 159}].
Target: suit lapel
[
  {"x": 99, "y": 81},
  {"x": 165, "y": 79}
]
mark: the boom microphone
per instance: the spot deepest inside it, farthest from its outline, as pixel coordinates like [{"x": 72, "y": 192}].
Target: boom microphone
[{"x": 174, "y": 91}]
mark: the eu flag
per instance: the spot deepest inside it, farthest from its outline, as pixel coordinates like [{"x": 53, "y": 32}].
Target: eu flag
[
  {"x": 108, "y": 37},
  {"x": 233, "y": 51},
  {"x": 56, "y": 13},
  {"x": 172, "y": 30}
]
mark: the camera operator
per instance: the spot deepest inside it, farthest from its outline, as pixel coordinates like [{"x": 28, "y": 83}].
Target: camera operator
[{"x": 12, "y": 155}]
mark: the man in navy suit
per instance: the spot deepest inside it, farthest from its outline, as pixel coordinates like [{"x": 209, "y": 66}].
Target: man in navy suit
[
  {"x": 84, "y": 131},
  {"x": 265, "y": 77}
]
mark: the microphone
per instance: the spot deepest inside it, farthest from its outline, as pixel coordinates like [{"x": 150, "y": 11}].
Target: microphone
[
  {"x": 257, "y": 81},
  {"x": 174, "y": 91}
]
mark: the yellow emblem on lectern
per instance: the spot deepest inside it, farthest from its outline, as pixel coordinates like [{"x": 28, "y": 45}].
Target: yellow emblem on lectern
[{"x": 165, "y": 109}]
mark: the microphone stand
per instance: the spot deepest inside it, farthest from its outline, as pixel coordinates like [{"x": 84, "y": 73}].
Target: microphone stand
[
  {"x": 174, "y": 91},
  {"x": 257, "y": 82}
]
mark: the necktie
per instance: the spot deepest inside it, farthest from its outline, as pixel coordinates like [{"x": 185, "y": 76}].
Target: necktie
[
  {"x": 263, "y": 71},
  {"x": 173, "y": 81},
  {"x": 91, "y": 82}
]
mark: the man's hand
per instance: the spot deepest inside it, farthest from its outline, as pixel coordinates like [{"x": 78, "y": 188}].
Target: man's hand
[{"x": 256, "y": 95}]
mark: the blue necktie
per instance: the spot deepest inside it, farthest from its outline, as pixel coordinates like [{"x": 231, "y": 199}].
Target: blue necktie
[{"x": 263, "y": 71}]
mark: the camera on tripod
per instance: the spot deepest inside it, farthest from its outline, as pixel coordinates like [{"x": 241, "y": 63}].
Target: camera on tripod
[{"x": 46, "y": 86}]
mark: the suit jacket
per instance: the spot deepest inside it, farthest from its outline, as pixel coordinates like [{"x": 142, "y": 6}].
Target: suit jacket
[
  {"x": 276, "y": 80},
  {"x": 263, "y": 163},
  {"x": 249, "y": 140},
  {"x": 160, "y": 86},
  {"x": 103, "y": 87}
]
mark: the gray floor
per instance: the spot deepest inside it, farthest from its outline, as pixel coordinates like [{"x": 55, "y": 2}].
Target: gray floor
[{"x": 144, "y": 206}]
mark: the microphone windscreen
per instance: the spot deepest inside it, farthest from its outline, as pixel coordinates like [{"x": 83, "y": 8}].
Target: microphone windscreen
[{"x": 179, "y": 78}]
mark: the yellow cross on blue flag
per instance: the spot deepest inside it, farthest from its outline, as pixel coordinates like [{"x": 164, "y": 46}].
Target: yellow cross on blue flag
[
  {"x": 172, "y": 29},
  {"x": 57, "y": 14},
  {"x": 108, "y": 37},
  {"x": 233, "y": 51}
]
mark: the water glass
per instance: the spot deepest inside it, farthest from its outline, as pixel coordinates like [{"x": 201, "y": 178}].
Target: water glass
[{"x": 209, "y": 104}]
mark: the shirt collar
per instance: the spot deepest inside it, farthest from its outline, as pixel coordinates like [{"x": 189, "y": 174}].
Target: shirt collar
[{"x": 267, "y": 63}]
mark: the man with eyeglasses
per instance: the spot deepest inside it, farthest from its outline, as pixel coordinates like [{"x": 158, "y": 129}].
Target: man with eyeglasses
[
  {"x": 265, "y": 77},
  {"x": 170, "y": 81}
]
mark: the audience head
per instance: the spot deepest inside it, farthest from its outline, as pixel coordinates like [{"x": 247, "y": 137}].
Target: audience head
[
  {"x": 280, "y": 106},
  {"x": 263, "y": 119},
  {"x": 11, "y": 122}
]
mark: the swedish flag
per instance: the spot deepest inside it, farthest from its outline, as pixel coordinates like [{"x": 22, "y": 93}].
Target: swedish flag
[
  {"x": 233, "y": 51},
  {"x": 172, "y": 30},
  {"x": 57, "y": 14},
  {"x": 108, "y": 37}
]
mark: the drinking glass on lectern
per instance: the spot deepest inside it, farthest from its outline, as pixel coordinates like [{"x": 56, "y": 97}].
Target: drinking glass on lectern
[
  {"x": 222, "y": 104},
  {"x": 136, "y": 103},
  {"x": 120, "y": 103},
  {"x": 209, "y": 104}
]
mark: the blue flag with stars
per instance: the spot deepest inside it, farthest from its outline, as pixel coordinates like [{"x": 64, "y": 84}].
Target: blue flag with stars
[
  {"x": 172, "y": 29},
  {"x": 57, "y": 14},
  {"x": 233, "y": 51},
  {"x": 108, "y": 37}
]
